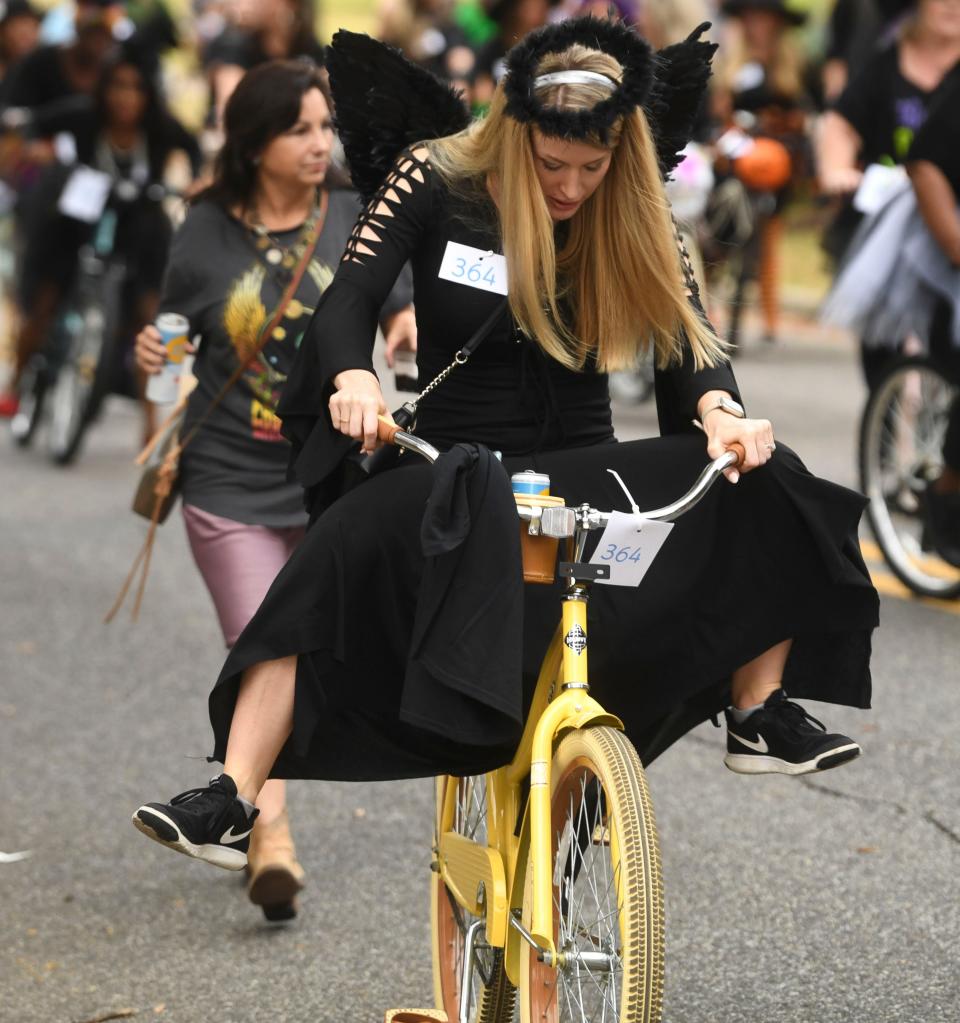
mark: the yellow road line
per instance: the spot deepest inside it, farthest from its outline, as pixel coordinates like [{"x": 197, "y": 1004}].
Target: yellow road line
[
  {"x": 890, "y": 586},
  {"x": 931, "y": 565},
  {"x": 870, "y": 550}
]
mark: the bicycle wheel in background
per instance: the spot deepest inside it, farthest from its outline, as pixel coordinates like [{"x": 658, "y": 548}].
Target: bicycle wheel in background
[
  {"x": 32, "y": 390},
  {"x": 491, "y": 998},
  {"x": 901, "y": 441},
  {"x": 83, "y": 380},
  {"x": 607, "y": 888}
]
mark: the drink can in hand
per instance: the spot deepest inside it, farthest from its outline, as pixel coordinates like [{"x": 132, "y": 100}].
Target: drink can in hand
[{"x": 163, "y": 387}]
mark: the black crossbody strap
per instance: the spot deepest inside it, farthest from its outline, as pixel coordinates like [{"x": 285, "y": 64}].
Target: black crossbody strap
[
  {"x": 484, "y": 330},
  {"x": 409, "y": 409}
]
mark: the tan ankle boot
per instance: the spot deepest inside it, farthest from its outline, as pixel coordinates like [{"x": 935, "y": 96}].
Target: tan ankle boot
[{"x": 275, "y": 875}]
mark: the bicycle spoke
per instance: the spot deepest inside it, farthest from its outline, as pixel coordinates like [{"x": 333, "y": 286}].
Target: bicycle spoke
[{"x": 586, "y": 905}]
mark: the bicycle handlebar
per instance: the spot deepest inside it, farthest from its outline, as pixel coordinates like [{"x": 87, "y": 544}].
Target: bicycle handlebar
[{"x": 561, "y": 522}]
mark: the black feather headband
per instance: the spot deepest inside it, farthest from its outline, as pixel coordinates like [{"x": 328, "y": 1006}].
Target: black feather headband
[
  {"x": 634, "y": 54},
  {"x": 669, "y": 85}
]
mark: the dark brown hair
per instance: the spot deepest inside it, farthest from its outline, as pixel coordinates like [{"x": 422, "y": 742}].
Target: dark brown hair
[{"x": 264, "y": 105}]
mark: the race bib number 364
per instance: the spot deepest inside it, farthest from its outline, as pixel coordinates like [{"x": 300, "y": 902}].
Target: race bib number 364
[
  {"x": 476, "y": 268},
  {"x": 628, "y": 547}
]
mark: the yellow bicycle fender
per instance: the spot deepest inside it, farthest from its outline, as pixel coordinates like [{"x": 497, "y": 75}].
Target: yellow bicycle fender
[
  {"x": 576, "y": 710},
  {"x": 464, "y": 866},
  {"x": 573, "y": 708},
  {"x": 585, "y": 719}
]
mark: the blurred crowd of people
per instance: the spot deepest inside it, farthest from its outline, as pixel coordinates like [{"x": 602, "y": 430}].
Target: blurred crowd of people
[{"x": 803, "y": 100}]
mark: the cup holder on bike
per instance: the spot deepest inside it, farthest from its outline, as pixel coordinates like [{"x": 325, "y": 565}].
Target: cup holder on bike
[{"x": 540, "y": 535}]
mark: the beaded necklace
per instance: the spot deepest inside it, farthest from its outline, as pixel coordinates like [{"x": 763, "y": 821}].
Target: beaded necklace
[
  {"x": 285, "y": 257},
  {"x": 275, "y": 253}
]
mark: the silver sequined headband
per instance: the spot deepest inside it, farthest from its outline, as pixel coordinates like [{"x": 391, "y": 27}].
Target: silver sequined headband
[{"x": 574, "y": 78}]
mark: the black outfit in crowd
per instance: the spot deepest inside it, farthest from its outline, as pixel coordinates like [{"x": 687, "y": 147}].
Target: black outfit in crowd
[
  {"x": 858, "y": 27},
  {"x": 244, "y": 49},
  {"x": 40, "y": 83},
  {"x": 773, "y": 557},
  {"x": 143, "y": 230},
  {"x": 236, "y": 464},
  {"x": 886, "y": 110}
]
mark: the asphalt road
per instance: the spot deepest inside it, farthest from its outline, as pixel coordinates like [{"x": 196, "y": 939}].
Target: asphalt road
[{"x": 827, "y": 900}]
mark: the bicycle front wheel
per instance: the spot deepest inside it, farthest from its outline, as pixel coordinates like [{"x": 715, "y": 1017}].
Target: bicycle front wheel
[
  {"x": 607, "y": 890},
  {"x": 901, "y": 441},
  {"x": 83, "y": 380},
  {"x": 469, "y": 982}
]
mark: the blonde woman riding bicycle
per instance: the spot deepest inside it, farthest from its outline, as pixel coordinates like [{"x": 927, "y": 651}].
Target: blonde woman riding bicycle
[{"x": 398, "y": 641}]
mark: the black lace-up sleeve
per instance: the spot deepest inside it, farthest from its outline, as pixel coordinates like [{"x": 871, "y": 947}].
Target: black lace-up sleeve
[
  {"x": 342, "y": 332},
  {"x": 680, "y": 387}
]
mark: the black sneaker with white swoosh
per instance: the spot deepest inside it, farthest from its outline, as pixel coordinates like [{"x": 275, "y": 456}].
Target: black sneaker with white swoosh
[
  {"x": 782, "y": 738},
  {"x": 209, "y": 824}
]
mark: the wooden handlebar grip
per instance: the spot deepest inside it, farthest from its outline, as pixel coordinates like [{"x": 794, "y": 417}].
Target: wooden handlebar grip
[
  {"x": 738, "y": 449},
  {"x": 387, "y": 431}
]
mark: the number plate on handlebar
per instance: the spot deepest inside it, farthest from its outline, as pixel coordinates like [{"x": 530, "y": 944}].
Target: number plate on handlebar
[{"x": 628, "y": 547}]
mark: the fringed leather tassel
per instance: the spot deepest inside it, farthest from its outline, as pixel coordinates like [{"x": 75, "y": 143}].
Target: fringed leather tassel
[{"x": 165, "y": 477}]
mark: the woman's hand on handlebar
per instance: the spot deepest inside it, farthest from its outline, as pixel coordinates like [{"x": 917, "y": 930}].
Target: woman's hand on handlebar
[
  {"x": 150, "y": 351},
  {"x": 755, "y": 435},
  {"x": 355, "y": 405}
]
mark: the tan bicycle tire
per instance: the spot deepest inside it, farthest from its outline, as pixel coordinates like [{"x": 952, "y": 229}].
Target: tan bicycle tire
[
  {"x": 609, "y": 757},
  {"x": 496, "y": 1001}
]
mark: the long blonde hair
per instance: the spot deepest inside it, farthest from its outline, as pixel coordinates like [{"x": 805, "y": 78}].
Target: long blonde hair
[{"x": 619, "y": 271}]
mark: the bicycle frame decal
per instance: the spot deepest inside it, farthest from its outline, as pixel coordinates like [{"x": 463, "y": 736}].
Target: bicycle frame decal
[
  {"x": 574, "y": 626},
  {"x": 576, "y": 639}
]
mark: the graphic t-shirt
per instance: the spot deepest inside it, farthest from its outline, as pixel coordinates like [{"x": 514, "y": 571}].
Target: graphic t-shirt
[
  {"x": 886, "y": 109},
  {"x": 236, "y": 465},
  {"x": 939, "y": 141}
]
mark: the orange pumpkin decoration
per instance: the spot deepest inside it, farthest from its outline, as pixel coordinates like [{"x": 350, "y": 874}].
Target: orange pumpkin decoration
[{"x": 765, "y": 166}]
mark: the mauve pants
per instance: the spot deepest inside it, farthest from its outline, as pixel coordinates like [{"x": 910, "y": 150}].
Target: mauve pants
[{"x": 238, "y": 563}]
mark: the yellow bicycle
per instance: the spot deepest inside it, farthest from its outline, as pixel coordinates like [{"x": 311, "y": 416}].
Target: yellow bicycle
[{"x": 546, "y": 887}]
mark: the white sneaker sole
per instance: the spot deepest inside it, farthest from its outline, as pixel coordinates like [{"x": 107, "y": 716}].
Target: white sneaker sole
[
  {"x": 753, "y": 763},
  {"x": 218, "y": 855}
]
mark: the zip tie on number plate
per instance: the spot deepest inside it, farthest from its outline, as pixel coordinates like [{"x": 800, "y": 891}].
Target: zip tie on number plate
[{"x": 634, "y": 507}]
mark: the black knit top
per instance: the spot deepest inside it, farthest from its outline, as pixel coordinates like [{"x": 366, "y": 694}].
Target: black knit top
[{"x": 511, "y": 396}]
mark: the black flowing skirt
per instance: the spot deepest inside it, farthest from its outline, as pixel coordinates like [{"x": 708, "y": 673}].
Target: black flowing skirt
[{"x": 773, "y": 557}]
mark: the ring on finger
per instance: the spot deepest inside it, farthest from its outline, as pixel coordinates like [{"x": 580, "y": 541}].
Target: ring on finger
[{"x": 771, "y": 447}]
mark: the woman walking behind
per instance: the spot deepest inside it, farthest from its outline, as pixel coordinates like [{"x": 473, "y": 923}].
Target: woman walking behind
[{"x": 231, "y": 261}]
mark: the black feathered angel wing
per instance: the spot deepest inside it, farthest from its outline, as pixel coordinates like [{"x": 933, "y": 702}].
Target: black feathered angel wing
[
  {"x": 683, "y": 71},
  {"x": 384, "y": 103}
]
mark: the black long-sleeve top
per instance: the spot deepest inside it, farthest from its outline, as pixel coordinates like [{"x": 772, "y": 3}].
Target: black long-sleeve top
[{"x": 511, "y": 396}]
